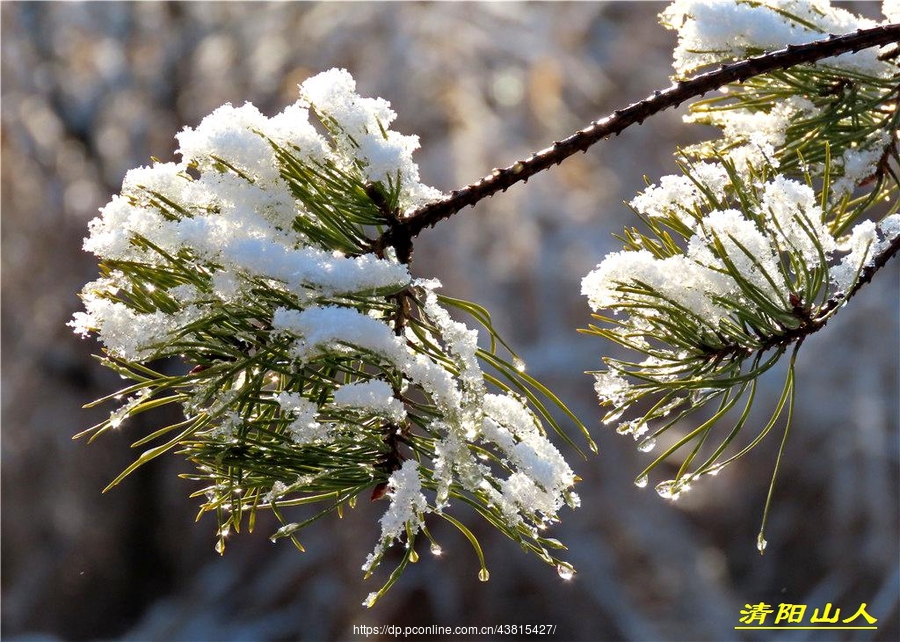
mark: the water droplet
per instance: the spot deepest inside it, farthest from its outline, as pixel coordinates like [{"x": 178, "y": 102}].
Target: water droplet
[
  {"x": 220, "y": 546},
  {"x": 436, "y": 549},
  {"x": 641, "y": 482},
  {"x": 518, "y": 364},
  {"x": 761, "y": 543},
  {"x": 647, "y": 445},
  {"x": 668, "y": 489},
  {"x": 484, "y": 575},
  {"x": 612, "y": 415},
  {"x": 565, "y": 572},
  {"x": 413, "y": 556}
]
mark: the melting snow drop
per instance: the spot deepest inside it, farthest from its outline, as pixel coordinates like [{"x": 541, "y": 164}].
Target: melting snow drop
[
  {"x": 667, "y": 489},
  {"x": 369, "y": 602},
  {"x": 484, "y": 575},
  {"x": 565, "y": 572},
  {"x": 612, "y": 415},
  {"x": 519, "y": 364},
  {"x": 413, "y": 556},
  {"x": 761, "y": 544},
  {"x": 436, "y": 549},
  {"x": 641, "y": 482},
  {"x": 647, "y": 445}
]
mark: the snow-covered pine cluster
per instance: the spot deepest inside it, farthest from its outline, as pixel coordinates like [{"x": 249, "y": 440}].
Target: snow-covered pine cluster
[
  {"x": 262, "y": 286},
  {"x": 762, "y": 236},
  {"x": 247, "y": 285}
]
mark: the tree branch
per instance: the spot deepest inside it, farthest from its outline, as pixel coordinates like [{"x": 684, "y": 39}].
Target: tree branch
[
  {"x": 810, "y": 323},
  {"x": 501, "y": 179},
  {"x": 865, "y": 276}
]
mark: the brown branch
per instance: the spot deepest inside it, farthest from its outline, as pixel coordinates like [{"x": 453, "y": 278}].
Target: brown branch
[
  {"x": 865, "y": 276},
  {"x": 812, "y": 324},
  {"x": 501, "y": 179},
  {"x": 813, "y": 321}
]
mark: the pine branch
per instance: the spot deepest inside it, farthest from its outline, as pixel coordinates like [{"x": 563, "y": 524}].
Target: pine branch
[
  {"x": 812, "y": 323},
  {"x": 865, "y": 276},
  {"x": 501, "y": 179}
]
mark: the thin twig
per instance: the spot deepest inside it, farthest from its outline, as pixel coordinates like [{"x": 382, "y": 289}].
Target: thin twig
[
  {"x": 865, "y": 275},
  {"x": 812, "y": 323},
  {"x": 501, "y": 179}
]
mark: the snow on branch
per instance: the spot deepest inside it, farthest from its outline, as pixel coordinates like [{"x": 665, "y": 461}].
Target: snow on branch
[
  {"x": 243, "y": 284},
  {"x": 762, "y": 237},
  {"x": 262, "y": 285}
]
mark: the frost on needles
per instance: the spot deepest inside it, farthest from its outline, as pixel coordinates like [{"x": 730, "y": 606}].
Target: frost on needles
[
  {"x": 758, "y": 241},
  {"x": 245, "y": 284}
]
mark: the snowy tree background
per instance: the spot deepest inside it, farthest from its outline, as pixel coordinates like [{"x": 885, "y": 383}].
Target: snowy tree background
[{"x": 90, "y": 90}]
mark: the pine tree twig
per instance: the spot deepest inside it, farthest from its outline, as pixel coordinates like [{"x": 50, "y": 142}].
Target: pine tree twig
[
  {"x": 393, "y": 459},
  {"x": 812, "y": 323},
  {"x": 502, "y": 179},
  {"x": 865, "y": 276}
]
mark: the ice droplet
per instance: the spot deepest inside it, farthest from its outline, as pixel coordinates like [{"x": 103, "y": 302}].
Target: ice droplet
[
  {"x": 641, "y": 482},
  {"x": 668, "y": 489},
  {"x": 436, "y": 549},
  {"x": 647, "y": 445},
  {"x": 565, "y": 572},
  {"x": 369, "y": 602},
  {"x": 761, "y": 543},
  {"x": 612, "y": 416},
  {"x": 484, "y": 575},
  {"x": 518, "y": 364}
]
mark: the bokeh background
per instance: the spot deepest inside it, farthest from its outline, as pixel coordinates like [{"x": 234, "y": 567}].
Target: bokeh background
[{"x": 90, "y": 90}]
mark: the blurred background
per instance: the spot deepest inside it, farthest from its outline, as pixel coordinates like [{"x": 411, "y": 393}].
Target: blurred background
[{"x": 90, "y": 90}]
